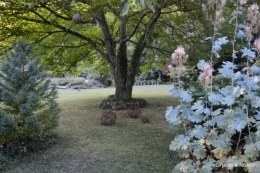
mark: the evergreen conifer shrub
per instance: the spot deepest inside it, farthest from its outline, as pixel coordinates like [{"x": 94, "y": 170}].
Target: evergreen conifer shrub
[{"x": 28, "y": 109}]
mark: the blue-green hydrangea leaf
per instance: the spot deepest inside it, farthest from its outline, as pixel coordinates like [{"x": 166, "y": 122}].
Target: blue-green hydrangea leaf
[
  {"x": 217, "y": 48},
  {"x": 172, "y": 115},
  {"x": 185, "y": 96},
  {"x": 219, "y": 142},
  {"x": 208, "y": 164},
  {"x": 254, "y": 167},
  {"x": 238, "y": 75},
  {"x": 187, "y": 166},
  {"x": 255, "y": 102},
  {"x": 177, "y": 169},
  {"x": 214, "y": 98},
  {"x": 227, "y": 69},
  {"x": 199, "y": 132},
  {"x": 256, "y": 80},
  {"x": 207, "y": 112},
  {"x": 186, "y": 111},
  {"x": 199, "y": 152},
  {"x": 235, "y": 161},
  {"x": 251, "y": 150},
  {"x": 195, "y": 118},
  {"x": 239, "y": 124},
  {"x": 241, "y": 26},
  {"x": 180, "y": 142},
  {"x": 208, "y": 123},
  {"x": 198, "y": 106},
  {"x": 258, "y": 145},
  {"x": 221, "y": 41},
  {"x": 208, "y": 38},
  {"x": 201, "y": 64},
  {"x": 240, "y": 34},
  {"x": 228, "y": 100},
  {"x": 251, "y": 83},
  {"x": 177, "y": 92},
  {"x": 216, "y": 54},
  {"x": 257, "y": 116},
  {"x": 171, "y": 88},
  {"x": 247, "y": 53},
  {"x": 217, "y": 45},
  {"x": 236, "y": 91},
  {"x": 219, "y": 121},
  {"x": 255, "y": 70}
]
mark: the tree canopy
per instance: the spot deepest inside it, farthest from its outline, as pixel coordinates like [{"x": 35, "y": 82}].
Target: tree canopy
[{"x": 114, "y": 35}]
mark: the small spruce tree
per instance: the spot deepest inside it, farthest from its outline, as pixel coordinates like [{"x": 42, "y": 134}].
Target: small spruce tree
[{"x": 28, "y": 108}]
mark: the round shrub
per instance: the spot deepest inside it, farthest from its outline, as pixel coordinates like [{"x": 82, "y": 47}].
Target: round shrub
[
  {"x": 108, "y": 118},
  {"x": 134, "y": 111}
]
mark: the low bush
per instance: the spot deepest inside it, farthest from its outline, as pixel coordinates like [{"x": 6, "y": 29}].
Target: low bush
[
  {"x": 70, "y": 82},
  {"x": 104, "y": 79},
  {"x": 120, "y": 104},
  {"x": 20, "y": 147},
  {"x": 3, "y": 160}
]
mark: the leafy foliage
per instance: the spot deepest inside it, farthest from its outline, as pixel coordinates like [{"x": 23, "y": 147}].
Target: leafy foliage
[
  {"x": 221, "y": 123},
  {"x": 147, "y": 75},
  {"x": 120, "y": 104},
  {"x": 28, "y": 108},
  {"x": 102, "y": 36}
]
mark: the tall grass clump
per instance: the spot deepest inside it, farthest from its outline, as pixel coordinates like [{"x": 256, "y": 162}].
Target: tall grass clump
[{"x": 221, "y": 121}]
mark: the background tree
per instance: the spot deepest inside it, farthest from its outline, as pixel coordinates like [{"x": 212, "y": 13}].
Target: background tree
[
  {"x": 117, "y": 31},
  {"x": 28, "y": 107}
]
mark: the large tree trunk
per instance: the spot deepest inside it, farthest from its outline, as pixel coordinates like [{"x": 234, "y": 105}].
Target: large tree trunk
[
  {"x": 123, "y": 90},
  {"x": 125, "y": 70},
  {"x": 120, "y": 76}
]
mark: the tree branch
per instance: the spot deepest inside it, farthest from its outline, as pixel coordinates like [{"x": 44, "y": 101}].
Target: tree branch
[
  {"x": 54, "y": 12},
  {"x": 109, "y": 42},
  {"x": 150, "y": 28},
  {"x": 137, "y": 25},
  {"x": 67, "y": 30}
]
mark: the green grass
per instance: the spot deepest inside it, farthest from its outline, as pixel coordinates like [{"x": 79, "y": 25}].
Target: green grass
[{"x": 85, "y": 146}]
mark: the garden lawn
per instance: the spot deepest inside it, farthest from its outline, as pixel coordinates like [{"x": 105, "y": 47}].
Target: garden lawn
[{"x": 86, "y": 146}]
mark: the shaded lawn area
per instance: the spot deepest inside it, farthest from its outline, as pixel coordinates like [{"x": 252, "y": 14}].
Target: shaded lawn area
[{"x": 85, "y": 146}]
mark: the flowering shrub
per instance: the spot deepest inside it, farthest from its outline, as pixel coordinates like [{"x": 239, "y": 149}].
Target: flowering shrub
[{"x": 221, "y": 123}]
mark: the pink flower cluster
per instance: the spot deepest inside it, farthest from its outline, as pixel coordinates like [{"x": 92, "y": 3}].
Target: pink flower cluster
[
  {"x": 218, "y": 6},
  {"x": 252, "y": 21},
  {"x": 178, "y": 59}
]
